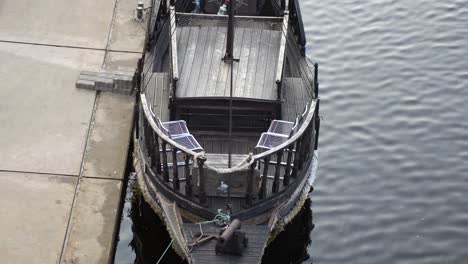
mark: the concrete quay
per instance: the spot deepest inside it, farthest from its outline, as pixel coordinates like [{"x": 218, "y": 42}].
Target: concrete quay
[{"x": 63, "y": 150}]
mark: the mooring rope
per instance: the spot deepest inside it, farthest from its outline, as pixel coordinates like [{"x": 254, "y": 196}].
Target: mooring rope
[
  {"x": 165, "y": 251},
  {"x": 219, "y": 219}
]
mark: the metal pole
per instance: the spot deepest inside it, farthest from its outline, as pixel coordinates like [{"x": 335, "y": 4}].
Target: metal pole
[
  {"x": 230, "y": 33},
  {"x": 316, "y": 84},
  {"x": 229, "y": 56},
  {"x": 230, "y": 116}
]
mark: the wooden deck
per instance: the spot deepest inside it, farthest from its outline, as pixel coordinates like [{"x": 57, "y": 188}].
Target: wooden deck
[
  {"x": 295, "y": 96},
  {"x": 157, "y": 94},
  {"x": 205, "y": 254},
  {"x": 203, "y": 73},
  {"x": 220, "y": 144}
]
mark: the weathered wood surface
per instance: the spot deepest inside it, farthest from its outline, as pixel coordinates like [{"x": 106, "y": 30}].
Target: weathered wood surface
[
  {"x": 295, "y": 96},
  {"x": 220, "y": 144},
  {"x": 205, "y": 254},
  {"x": 237, "y": 180},
  {"x": 221, "y": 160},
  {"x": 173, "y": 32},
  {"x": 216, "y": 203},
  {"x": 203, "y": 73},
  {"x": 157, "y": 94}
]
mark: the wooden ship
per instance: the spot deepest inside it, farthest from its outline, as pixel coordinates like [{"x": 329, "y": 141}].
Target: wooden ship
[{"x": 228, "y": 124}]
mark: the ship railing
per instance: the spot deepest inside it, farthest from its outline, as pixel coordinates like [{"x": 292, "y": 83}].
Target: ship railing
[
  {"x": 282, "y": 55},
  {"x": 165, "y": 155},
  {"x": 296, "y": 19},
  {"x": 292, "y": 49},
  {"x": 300, "y": 66},
  {"x": 173, "y": 50},
  {"x": 210, "y": 20},
  {"x": 287, "y": 162},
  {"x": 175, "y": 165}
]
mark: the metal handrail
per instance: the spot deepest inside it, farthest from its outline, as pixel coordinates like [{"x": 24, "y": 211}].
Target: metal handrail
[
  {"x": 160, "y": 133},
  {"x": 173, "y": 49},
  {"x": 259, "y": 156},
  {"x": 294, "y": 138},
  {"x": 282, "y": 51}
]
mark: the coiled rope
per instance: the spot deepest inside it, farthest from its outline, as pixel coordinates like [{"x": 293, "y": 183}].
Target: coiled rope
[{"x": 219, "y": 219}]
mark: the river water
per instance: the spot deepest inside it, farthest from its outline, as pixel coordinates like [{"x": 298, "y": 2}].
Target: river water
[
  {"x": 392, "y": 184},
  {"x": 393, "y": 172}
]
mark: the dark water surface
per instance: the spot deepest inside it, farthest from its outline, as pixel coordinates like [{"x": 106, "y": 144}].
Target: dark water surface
[
  {"x": 143, "y": 237},
  {"x": 392, "y": 183},
  {"x": 393, "y": 173}
]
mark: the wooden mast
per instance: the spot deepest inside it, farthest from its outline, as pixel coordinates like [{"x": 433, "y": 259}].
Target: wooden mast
[
  {"x": 229, "y": 58},
  {"x": 229, "y": 55}
]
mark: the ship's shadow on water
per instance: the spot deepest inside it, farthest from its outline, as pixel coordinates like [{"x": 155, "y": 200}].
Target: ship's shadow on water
[
  {"x": 290, "y": 246},
  {"x": 149, "y": 238}
]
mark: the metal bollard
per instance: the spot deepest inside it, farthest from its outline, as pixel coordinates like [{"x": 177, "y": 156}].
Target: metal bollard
[{"x": 139, "y": 10}]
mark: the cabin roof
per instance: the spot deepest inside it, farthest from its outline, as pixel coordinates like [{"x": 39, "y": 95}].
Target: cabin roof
[{"x": 201, "y": 44}]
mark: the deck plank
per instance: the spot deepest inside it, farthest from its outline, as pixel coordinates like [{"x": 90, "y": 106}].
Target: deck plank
[
  {"x": 150, "y": 87},
  {"x": 241, "y": 73},
  {"x": 238, "y": 38},
  {"x": 164, "y": 105},
  {"x": 203, "y": 73},
  {"x": 183, "y": 35},
  {"x": 261, "y": 63},
  {"x": 156, "y": 87},
  {"x": 206, "y": 62},
  {"x": 241, "y": 145},
  {"x": 197, "y": 63},
  {"x": 269, "y": 87},
  {"x": 205, "y": 253},
  {"x": 253, "y": 57},
  {"x": 289, "y": 105},
  {"x": 158, "y": 94},
  {"x": 216, "y": 61},
  {"x": 184, "y": 84},
  {"x": 285, "y": 105},
  {"x": 296, "y": 97}
]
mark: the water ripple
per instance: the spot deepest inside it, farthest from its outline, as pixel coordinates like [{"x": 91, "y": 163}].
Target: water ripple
[{"x": 394, "y": 142}]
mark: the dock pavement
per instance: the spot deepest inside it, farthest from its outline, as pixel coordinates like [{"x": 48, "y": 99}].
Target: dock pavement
[{"x": 63, "y": 150}]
